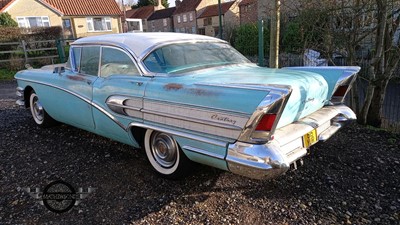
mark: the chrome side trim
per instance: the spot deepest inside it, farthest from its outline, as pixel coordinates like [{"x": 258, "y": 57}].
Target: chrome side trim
[
  {"x": 203, "y": 152},
  {"x": 179, "y": 115},
  {"x": 178, "y": 133},
  {"x": 88, "y": 101}
]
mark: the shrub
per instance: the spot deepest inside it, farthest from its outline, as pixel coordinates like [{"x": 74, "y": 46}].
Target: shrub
[
  {"x": 245, "y": 39},
  {"x": 7, "y": 21}
]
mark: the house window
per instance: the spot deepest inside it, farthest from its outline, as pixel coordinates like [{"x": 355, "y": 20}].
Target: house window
[
  {"x": 176, "y": 30},
  {"x": 98, "y": 24},
  {"x": 202, "y": 31},
  {"x": 191, "y": 16},
  {"x": 184, "y": 18},
  {"x": 182, "y": 30},
  {"x": 165, "y": 23},
  {"x": 193, "y": 30},
  {"x": 31, "y": 22},
  {"x": 179, "y": 19},
  {"x": 207, "y": 21}
]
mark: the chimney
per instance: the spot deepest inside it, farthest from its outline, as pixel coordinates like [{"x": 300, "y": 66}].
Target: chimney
[
  {"x": 177, "y": 3},
  {"x": 159, "y": 5}
]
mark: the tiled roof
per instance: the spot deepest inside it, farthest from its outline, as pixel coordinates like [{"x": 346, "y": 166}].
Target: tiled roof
[
  {"x": 187, "y": 6},
  {"x": 246, "y": 2},
  {"x": 140, "y": 13},
  {"x": 163, "y": 13},
  {"x": 4, "y": 3},
  {"x": 84, "y": 7},
  {"x": 213, "y": 10}
]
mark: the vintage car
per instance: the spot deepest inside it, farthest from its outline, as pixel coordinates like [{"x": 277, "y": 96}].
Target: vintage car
[{"x": 190, "y": 98}]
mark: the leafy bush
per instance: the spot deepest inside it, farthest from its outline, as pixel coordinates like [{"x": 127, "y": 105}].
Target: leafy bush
[
  {"x": 7, "y": 21},
  {"x": 10, "y": 34},
  {"x": 245, "y": 39},
  {"x": 291, "y": 39}
]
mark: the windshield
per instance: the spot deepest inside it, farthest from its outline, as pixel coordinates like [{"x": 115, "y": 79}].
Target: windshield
[{"x": 185, "y": 57}]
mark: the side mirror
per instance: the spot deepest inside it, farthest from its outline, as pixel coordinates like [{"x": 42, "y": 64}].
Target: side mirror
[{"x": 59, "y": 70}]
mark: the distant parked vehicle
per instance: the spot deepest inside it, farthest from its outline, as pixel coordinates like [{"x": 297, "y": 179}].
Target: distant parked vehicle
[{"x": 190, "y": 98}]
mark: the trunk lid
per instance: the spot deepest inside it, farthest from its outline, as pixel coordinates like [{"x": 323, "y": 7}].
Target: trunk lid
[{"x": 310, "y": 91}]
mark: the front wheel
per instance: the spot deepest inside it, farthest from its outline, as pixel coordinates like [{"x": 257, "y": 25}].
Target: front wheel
[
  {"x": 165, "y": 156},
  {"x": 39, "y": 115}
]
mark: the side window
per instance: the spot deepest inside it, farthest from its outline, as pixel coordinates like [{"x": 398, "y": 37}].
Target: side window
[
  {"x": 114, "y": 61},
  {"x": 90, "y": 60}
]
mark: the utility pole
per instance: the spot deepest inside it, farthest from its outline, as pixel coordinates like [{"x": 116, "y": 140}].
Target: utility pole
[
  {"x": 220, "y": 19},
  {"x": 275, "y": 27},
  {"x": 262, "y": 6},
  {"x": 125, "y": 25}
]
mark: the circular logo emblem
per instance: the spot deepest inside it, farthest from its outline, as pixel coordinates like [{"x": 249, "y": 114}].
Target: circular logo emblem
[{"x": 59, "y": 196}]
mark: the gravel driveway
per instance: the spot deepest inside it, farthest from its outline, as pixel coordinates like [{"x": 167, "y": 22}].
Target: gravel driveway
[{"x": 354, "y": 178}]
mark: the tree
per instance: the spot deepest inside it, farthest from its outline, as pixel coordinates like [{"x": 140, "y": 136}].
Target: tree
[
  {"x": 7, "y": 21},
  {"x": 142, "y": 3},
  {"x": 383, "y": 64},
  {"x": 343, "y": 26}
]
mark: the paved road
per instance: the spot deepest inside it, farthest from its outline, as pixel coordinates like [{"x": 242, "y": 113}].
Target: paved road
[{"x": 7, "y": 89}]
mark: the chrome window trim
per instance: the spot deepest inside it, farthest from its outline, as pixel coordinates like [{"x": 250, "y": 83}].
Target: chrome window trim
[
  {"x": 117, "y": 45},
  {"x": 149, "y": 50}
]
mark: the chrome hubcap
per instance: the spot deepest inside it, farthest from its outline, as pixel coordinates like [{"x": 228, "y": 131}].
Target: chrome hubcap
[
  {"x": 164, "y": 149},
  {"x": 37, "y": 109}
]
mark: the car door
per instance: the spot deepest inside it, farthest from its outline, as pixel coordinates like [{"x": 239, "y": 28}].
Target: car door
[
  {"x": 119, "y": 91},
  {"x": 77, "y": 84}
]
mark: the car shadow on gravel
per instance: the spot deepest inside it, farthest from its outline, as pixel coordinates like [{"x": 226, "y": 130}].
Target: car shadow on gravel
[{"x": 353, "y": 178}]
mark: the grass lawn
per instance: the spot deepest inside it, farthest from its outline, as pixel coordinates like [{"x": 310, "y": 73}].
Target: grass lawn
[{"x": 6, "y": 74}]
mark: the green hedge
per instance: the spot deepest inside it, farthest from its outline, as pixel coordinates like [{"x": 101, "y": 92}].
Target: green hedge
[{"x": 245, "y": 39}]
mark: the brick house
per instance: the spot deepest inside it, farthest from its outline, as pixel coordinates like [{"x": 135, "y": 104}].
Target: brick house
[
  {"x": 161, "y": 20},
  {"x": 208, "y": 20},
  {"x": 186, "y": 12},
  {"x": 248, "y": 11},
  {"x": 137, "y": 18},
  {"x": 78, "y": 18}
]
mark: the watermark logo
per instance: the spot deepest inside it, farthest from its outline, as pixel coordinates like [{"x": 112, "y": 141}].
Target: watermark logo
[{"x": 59, "y": 196}]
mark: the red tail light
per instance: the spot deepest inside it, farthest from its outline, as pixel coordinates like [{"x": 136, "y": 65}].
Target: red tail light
[
  {"x": 341, "y": 91},
  {"x": 266, "y": 122}
]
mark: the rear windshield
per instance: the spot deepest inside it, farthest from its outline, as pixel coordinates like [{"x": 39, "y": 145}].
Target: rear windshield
[{"x": 186, "y": 57}]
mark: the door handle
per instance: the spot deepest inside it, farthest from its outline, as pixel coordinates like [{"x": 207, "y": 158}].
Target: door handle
[{"x": 138, "y": 83}]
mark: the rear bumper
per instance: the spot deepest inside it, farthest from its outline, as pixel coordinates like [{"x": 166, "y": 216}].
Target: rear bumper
[{"x": 266, "y": 161}]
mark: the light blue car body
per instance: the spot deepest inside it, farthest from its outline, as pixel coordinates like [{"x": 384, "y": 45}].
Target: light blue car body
[{"x": 207, "y": 110}]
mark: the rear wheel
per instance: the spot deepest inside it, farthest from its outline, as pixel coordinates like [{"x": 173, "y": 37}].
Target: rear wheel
[
  {"x": 165, "y": 156},
  {"x": 39, "y": 115}
]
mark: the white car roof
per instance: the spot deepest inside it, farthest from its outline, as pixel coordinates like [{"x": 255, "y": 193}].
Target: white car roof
[{"x": 140, "y": 43}]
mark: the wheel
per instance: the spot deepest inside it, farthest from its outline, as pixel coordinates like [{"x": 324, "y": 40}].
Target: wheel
[
  {"x": 165, "y": 156},
  {"x": 39, "y": 115}
]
